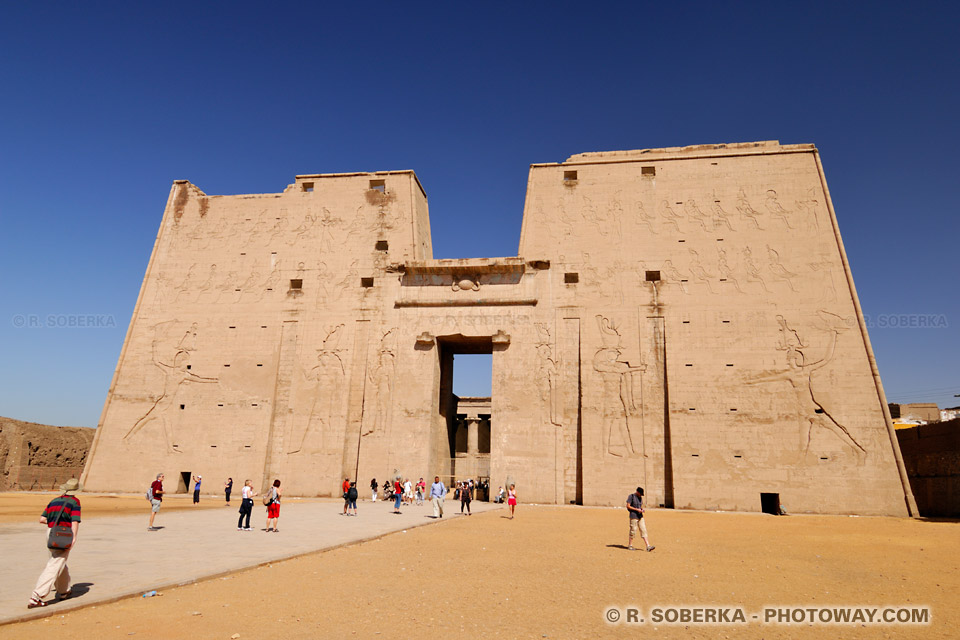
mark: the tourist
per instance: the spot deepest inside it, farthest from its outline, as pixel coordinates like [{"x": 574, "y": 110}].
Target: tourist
[
  {"x": 408, "y": 491},
  {"x": 421, "y": 489},
  {"x": 437, "y": 493},
  {"x": 64, "y": 510},
  {"x": 465, "y": 499},
  {"x": 635, "y": 509},
  {"x": 156, "y": 499},
  {"x": 387, "y": 492},
  {"x": 352, "y": 495},
  {"x": 397, "y": 495},
  {"x": 246, "y": 505},
  {"x": 346, "y": 487},
  {"x": 227, "y": 488},
  {"x": 499, "y": 497},
  {"x": 273, "y": 507},
  {"x": 196, "y": 489},
  {"x": 512, "y": 499},
  {"x": 373, "y": 490}
]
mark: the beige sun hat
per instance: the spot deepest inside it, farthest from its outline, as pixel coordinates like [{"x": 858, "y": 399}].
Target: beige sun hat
[{"x": 71, "y": 486}]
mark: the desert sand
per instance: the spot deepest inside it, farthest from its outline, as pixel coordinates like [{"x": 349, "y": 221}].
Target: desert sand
[{"x": 553, "y": 572}]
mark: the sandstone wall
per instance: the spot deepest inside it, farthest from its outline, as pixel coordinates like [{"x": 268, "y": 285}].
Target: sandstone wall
[
  {"x": 678, "y": 318},
  {"x": 40, "y": 457}
]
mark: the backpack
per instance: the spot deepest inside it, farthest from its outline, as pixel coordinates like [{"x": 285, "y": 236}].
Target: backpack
[
  {"x": 150, "y": 493},
  {"x": 268, "y": 497}
]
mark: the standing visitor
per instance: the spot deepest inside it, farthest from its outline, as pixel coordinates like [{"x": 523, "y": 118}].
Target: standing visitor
[
  {"x": 352, "y": 495},
  {"x": 227, "y": 488},
  {"x": 465, "y": 499},
  {"x": 65, "y": 511},
  {"x": 635, "y": 509},
  {"x": 273, "y": 508},
  {"x": 246, "y": 505},
  {"x": 421, "y": 489},
  {"x": 408, "y": 491},
  {"x": 397, "y": 495},
  {"x": 196, "y": 489},
  {"x": 512, "y": 499},
  {"x": 437, "y": 494},
  {"x": 346, "y": 487},
  {"x": 156, "y": 493},
  {"x": 373, "y": 490}
]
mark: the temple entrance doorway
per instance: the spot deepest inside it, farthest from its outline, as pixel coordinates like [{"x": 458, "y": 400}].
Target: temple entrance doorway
[{"x": 466, "y": 404}]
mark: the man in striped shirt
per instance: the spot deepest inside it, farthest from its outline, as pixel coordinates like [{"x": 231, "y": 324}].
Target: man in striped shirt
[{"x": 62, "y": 510}]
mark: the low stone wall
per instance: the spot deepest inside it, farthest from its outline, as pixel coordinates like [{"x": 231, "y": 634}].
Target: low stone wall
[
  {"x": 40, "y": 457},
  {"x": 931, "y": 454}
]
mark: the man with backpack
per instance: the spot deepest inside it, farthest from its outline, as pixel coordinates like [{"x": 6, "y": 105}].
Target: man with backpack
[{"x": 62, "y": 517}]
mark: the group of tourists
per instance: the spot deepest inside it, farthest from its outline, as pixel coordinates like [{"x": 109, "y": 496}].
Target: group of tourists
[{"x": 62, "y": 518}]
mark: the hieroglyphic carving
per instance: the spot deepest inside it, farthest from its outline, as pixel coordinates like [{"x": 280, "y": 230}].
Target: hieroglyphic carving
[
  {"x": 618, "y": 402},
  {"x": 752, "y": 269},
  {"x": 381, "y": 378},
  {"x": 176, "y": 371},
  {"x": 669, "y": 215},
  {"x": 727, "y": 272},
  {"x": 644, "y": 217},
  {"x": 698, "y": 271},
  {"x": 328, "y": 225},
  {"x": 720, "y": 217},
  {"x": 672, "y": 274},
  {"x": 185, "y": 289},
  {"x": 328, "y": 375},
  {"x": 778, "y": 270},
  {"x": 808, "y": 211},
  {"x": 693, "y": 212},
  {"x": 799, "y": 371},
  {"x": 776, "y": 209},
  {"x": 548, "y": 371},
  {"x": 303, "y": 229},
  {"x": 746, "y": 209}
]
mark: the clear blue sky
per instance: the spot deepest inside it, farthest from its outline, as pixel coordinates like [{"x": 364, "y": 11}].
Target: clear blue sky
[{"x": 103, "y": 105}]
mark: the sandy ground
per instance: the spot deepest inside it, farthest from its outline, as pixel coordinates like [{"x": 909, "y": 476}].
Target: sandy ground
[
  {"x": 553, "y": 572},
  {"x": 27, "y": 506}
]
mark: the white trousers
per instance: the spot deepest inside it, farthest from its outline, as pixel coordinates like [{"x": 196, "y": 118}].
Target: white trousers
[
  {"x": 55, "y": 574},
  {"x": 437, "y": 507}
]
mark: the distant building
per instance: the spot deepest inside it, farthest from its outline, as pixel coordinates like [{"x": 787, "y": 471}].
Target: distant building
[
  {"x": 951, "y": 413},
  {"x": 923, "y": 411}
]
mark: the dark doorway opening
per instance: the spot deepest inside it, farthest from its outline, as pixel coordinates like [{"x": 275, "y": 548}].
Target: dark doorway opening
[
  {"x": 465, "y": 404},
  {"x": 183, "y": 486},
  {"x": 770, "y": 503}
]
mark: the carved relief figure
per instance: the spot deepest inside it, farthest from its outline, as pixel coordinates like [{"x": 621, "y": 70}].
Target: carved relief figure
[
  {"x": 643, "y": 217},
  {"x": 328, "y": 224},
  {"x": 175, "y": 373},
  {"x": 776, "y": 209},
  {"x": 381, "y": 380},
  {"x": 800, "y": 367},
  {"x": 185, "y": 288},
  {"x": 778, "y": 270},
  {"x": 303, "y": 229},
  {"x": 808, "y": 211},
  {"x": 619, "y": 405},
  {"x": 692, "y": 212},
  {"x": 672, "y": 274},
  {"x": 726, "y": 271},
  {"x": 669, "y": 215},
  {"x": 328, "y": 375},
  {"x": 746, "y": 209},
  {"x": 696, "y": 268},
  {"x": 720, "y": 217},
  {"x": 753, "y": 271},
  {"x": 548, "y": 374}
]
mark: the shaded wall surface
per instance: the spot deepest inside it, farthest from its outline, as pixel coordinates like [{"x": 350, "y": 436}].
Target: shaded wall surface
[
  {"x": 932, "y": 456},
  {"x": 680, "y": 318},
  {"x": 40, "y": 457}
]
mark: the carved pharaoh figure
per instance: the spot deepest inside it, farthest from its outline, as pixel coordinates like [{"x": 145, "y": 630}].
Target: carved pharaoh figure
[
  {"x": 799, "y": 375},
  {"x": 619, "y": 404},
  {"x": 328, "y": 376}
]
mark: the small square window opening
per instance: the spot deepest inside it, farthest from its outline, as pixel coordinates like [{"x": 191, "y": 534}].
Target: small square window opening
[
  {"x": 366, "y": 282},
  {"x": 571, "y": 278},
  {"x": 378, "y": 185}
]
